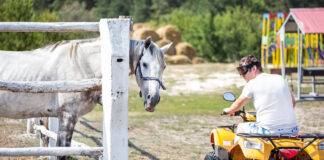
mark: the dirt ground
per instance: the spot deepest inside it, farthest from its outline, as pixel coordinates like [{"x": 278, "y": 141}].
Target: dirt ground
[{"x": 166, "y": 137}]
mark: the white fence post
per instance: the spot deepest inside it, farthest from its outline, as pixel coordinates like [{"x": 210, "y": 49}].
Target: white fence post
[
  {"x": 53, "y": 125},
  {"x": 115, "y": 41},
  {"x": 29, "y": 126}
]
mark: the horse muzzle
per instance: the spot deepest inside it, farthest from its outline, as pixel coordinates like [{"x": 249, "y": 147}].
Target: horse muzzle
[{"x": 150, "y": 102}]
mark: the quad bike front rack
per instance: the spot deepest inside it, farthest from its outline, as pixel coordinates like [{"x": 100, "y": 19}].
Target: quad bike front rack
[{"x": 288, "y": 153}]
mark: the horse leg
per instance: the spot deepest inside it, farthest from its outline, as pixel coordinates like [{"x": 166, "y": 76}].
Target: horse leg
[{"x": 67, "y": 121}]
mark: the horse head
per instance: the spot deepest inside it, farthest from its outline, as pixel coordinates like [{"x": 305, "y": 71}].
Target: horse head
[{"x": 149, "y": 69}]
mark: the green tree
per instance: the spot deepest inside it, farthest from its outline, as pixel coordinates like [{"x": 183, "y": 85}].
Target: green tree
[
  {"x": 238, "y": 32},
  {"x": 112, "y": 8},
  {"x": 140, "y": 10},
  {"x": 22, "y": 10},
  {"x": 76, "y": 11}
]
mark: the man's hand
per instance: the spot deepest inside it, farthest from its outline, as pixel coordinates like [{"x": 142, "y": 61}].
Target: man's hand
[{"x": 227, "y": 111}]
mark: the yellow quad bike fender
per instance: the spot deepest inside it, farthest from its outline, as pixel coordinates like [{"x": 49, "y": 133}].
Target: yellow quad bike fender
[
  {"x": 258, "y": 149},
  {"x": 316, "y": 149},
  {"x": 222, "y": 140},
  {"x": 222, "y": 137}
]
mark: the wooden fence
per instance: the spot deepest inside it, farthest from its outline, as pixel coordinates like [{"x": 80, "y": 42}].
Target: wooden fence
[{"x": 114, "y": 85}]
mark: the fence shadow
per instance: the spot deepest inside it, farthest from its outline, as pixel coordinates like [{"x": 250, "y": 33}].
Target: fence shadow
[
  {"x": 85, "y": 123},
  {"x": 98, "y": 141},
  {"x": 94, "y": 139},
  {"x": 152, "y": 157}
]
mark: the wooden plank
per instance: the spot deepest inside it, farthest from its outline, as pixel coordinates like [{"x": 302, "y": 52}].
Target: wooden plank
[
  {"x": 49, "y": 27},
  {"x": 288, "y": 70},
  {"x": 313, "y": 71},
  {"x": 53, "y": 136},
  {"x": 115, "y": 41},
  {"x": 51, "y": 86},
  {"x": 52, "y": 151}
]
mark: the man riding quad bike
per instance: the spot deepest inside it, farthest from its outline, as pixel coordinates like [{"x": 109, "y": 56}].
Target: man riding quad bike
[
  {"x": 226, "y": 145},
  {"x": 275, "y": 118}
]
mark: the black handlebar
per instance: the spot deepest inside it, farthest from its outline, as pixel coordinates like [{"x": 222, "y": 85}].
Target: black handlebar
[
  {"x": 237, "y": 113},
  {"x": 223, "y": 113}
]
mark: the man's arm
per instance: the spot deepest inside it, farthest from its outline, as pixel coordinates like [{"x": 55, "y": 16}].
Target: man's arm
[{"x": 237, "y": 105}]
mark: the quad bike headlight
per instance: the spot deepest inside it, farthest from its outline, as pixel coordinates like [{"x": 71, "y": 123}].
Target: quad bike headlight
[
  {"x": 252, "y": 145},
  {"x": 321, "y": 146}
]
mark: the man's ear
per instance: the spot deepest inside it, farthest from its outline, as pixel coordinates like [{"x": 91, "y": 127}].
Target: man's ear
[{"x": 254, "y": 68}]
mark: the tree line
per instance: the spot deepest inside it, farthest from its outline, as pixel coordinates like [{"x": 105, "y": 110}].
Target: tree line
[{"x": 220, "y": 30}]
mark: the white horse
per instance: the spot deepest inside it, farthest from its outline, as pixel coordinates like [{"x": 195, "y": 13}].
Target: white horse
[{"x": 73, "y": 60}]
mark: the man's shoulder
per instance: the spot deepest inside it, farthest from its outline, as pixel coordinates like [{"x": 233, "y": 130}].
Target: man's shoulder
[{"x": 272, "y": 76}]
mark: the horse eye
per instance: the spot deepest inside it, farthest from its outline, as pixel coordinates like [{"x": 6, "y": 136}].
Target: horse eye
[{"x": 144, "y": 65}]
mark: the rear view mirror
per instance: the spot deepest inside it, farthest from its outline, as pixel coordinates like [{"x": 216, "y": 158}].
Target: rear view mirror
[{"x": 229, "y": 96}]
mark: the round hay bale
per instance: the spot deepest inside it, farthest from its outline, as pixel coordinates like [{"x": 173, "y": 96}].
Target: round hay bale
[
  {"x": 179, "y": 59},
  {"x": 187, "y": 49},
  {"x": 137, "y": 26},
  {"x": 163, "y": 42},
  {"x": 197, "y": 60},
  {"x": 143, "y": 33},
  {"x": 170, "y": 32}
]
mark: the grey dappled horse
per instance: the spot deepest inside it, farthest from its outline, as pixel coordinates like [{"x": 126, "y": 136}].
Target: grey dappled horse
[{"x": 73, "y": 60}]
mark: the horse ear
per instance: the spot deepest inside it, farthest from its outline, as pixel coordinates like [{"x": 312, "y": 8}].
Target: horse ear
[
  {"x": 166, "y": 47},
  {"x": 148, "y": 41}
]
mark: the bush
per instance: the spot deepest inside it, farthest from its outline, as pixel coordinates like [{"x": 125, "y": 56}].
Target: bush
[
  {"x": 226, "y": 37},
  {"x": 239, "y": 33},
  {"x": 22, "y": 10}
]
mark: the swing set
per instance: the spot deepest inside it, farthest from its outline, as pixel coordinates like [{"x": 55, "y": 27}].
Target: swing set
[{"x": 294, "y": 43}]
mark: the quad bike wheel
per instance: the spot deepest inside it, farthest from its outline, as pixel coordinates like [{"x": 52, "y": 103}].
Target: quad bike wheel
[
  {"x": 211, "y": 156},
  {"x": 220, "y": 153}
]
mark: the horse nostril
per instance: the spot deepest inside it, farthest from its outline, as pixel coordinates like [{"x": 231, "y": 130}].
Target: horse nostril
[{"x": 148, "y": 96}]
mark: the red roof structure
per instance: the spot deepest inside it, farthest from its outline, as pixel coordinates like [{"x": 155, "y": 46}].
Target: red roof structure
[{"x": 308, "y": 20}]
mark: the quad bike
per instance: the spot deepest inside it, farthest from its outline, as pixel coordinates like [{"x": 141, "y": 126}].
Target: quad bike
[{"x": 259, "y": 146}]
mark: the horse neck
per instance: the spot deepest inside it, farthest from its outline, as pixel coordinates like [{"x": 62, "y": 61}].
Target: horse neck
[
  {"x": 135, "y": 50},
  {"x": 80, "y": 59},
  {"x": 87, "y": 56}
]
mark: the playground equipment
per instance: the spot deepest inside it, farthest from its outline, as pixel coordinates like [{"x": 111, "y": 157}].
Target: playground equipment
[
  {"x": 269, "y": 47},
  {"x": 285, "y": 51}
]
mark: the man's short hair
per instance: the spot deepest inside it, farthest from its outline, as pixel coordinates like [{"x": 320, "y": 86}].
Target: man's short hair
[{"x": 247, "y": 60}]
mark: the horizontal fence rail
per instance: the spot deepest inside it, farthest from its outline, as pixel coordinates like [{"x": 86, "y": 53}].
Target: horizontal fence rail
[
  {"x": 52, "y": 151},
  {"x": 51, "y": 86},
  {"x": 53, "y": 135},
  {"x": 49, "y": 26}
]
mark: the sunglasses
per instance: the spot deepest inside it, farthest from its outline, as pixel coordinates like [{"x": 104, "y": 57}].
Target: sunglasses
[{"x": 244, "y": 69}]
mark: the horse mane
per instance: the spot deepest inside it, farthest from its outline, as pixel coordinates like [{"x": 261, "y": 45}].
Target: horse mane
[
  {"x": 74, "y": 45},
  {"x": 159, "y": 56}
]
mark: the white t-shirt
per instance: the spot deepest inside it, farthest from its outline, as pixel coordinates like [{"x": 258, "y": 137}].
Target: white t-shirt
[{"x": 272, "y": 101}]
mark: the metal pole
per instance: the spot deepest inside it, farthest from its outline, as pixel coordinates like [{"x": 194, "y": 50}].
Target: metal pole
[
  {"x": 282, "y": 50},
  {"x": 299, "y": 77}
]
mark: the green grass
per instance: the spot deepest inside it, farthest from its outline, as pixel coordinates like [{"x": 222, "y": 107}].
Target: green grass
[{"x": 191, "y": 104}]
